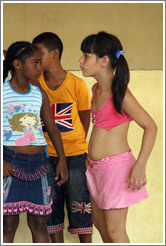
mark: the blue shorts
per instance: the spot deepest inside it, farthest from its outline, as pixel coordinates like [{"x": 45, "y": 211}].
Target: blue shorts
[
  {"x": 28, "y": 190},
  {"x": 76, "y": 195}
]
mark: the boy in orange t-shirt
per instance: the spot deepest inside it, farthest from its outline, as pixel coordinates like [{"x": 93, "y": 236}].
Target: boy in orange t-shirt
[{"x": 70, "y": 103}]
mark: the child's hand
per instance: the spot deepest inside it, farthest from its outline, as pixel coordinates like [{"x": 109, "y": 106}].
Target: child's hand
[
  {"x": 61, "y": 172},
  {"x": 87, "y": 162},
  {"x": 7, "y": 169},
  {"x": 137, "y": 176}
]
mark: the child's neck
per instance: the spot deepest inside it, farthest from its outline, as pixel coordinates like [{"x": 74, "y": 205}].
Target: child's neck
[
  {"x": 54, "y": 77},
  {"x": 20, "y": 85},
  {"x": 104, "y": 81}
]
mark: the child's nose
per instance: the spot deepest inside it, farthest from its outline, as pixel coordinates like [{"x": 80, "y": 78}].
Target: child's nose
[{"x": 80, "y": 60}]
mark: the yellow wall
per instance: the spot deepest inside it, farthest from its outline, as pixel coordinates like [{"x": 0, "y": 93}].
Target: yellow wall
[
  {"x": 138, "y": 26},
  {"x": 145, "y": 220}
]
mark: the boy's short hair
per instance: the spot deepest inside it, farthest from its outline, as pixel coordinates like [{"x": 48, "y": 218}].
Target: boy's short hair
[{"x": 50, "y": 40}]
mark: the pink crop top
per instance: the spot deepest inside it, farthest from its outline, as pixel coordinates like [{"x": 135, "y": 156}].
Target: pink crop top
[{"x": 107, "y": 117}]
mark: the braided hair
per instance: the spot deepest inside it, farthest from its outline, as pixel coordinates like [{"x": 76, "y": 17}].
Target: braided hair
[{"x": 20, "y": 50}]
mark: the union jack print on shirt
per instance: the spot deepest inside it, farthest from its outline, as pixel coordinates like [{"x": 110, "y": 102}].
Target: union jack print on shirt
[
  {"x": 62, "y": 116},
  {"x": 81, "y": 207}
]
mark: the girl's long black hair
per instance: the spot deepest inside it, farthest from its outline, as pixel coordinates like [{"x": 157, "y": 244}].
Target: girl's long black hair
[
  {"x": 20, "y": 50},
  {"x": 107, "y": 44}
]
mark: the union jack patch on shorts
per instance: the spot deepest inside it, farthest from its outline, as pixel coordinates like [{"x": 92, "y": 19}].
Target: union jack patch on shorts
[{"x": 81, "y": 207}]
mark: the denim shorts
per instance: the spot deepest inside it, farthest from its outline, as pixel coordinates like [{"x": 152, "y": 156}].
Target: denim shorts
[
  {"x": 28, "y": 190},
  {"x": 74, "y": 193}
]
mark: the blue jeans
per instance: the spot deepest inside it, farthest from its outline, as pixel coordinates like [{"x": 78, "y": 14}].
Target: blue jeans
[{"x": 76, "y": 196}]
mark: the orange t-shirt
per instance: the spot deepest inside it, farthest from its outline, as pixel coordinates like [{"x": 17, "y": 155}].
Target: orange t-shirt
[{"x": 72, "y": 96}]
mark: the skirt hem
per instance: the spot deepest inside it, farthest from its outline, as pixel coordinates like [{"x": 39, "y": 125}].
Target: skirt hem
[
  {"x": 128, "y": 204},
  {"x": 24, "y": 206}
]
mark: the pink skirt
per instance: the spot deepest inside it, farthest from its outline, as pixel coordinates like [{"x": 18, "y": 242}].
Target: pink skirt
[{"x": 108, "y": 184}]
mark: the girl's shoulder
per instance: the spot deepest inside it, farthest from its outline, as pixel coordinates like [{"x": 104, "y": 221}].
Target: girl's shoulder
[
  {"x": 5, "y": 84},
  {"x": 35, "y": 88},
  {"x": 6, "y": 87},
  {"x": 37, "y": 84}
]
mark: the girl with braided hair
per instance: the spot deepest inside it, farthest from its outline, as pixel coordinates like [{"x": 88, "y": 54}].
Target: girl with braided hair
[{"x": 26, "y": 182}]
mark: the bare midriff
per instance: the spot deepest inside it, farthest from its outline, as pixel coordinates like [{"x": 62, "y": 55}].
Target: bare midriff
[
  {"x": 111, "y": 142},
  {"x": 30, "y": 149}
]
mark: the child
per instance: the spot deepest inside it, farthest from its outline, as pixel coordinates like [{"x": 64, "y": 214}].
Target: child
[
  {"x": 70, "y": 103},
  {"x": 26, "y": 184},
  {"x": 115, "y": 179}
]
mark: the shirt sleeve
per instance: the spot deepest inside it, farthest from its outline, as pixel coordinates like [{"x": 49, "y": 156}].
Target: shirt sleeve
[{"x": 83, "y": 96}]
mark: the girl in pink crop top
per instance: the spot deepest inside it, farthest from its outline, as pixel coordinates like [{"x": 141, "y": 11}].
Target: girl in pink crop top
[
  {"x": 107, "y": 117},
  {"x": 116, "y": 180}
]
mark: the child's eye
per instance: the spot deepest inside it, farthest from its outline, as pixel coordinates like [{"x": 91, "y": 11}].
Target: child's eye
[
  {"x": 35, "y": 63},
  {"x": 86, "y": 56}
]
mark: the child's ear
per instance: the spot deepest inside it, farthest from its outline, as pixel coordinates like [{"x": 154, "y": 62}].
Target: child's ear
[
  {"x": 105, "y": 61},
  {"x": 55, "y": 53},
  {"x": 17, "y": 64}
]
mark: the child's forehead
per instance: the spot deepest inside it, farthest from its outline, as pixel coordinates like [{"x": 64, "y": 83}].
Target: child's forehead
[
  {"x": 42, "y": 47},
  {"x": 37, "y": 55},
  {"x": 28, "y": 114}
]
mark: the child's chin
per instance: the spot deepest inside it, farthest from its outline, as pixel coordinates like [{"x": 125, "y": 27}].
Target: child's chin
[{"x": 85, "y": 74}]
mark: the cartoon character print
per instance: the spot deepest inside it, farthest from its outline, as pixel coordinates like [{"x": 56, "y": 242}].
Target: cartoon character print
[
  {"x": 26, "y": 123},
  {"x": 7, "y": 134},
  {"x": 12, "y": 109}
]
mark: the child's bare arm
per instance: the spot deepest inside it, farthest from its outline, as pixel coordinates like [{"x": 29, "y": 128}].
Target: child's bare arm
[
  {"x": 137, "y": 176},
  {"x": 85, "y": 120},
  {"x": 55, "y": 137}
]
